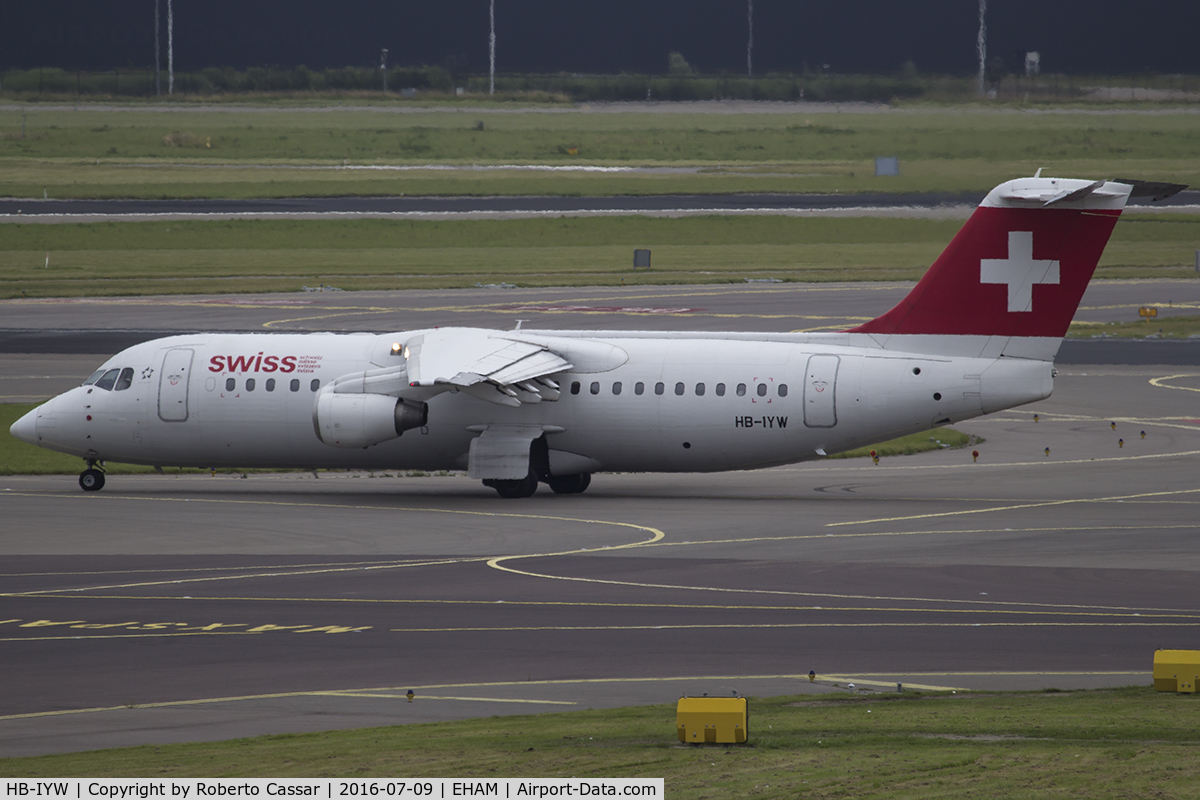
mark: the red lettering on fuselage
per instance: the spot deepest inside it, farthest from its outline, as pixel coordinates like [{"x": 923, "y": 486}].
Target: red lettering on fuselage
[
  {"x": 254, "y": 363},
  {"x": 240, "y": 363}
]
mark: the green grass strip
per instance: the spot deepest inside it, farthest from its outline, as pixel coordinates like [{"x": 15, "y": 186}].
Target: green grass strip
[
  {"x": 1122, "y": 743},
  {"x": 190, "y": 257}
]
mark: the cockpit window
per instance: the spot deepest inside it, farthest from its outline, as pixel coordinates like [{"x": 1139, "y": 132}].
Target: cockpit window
[
  {"x": 108, "y": 379},
  {"x": 126, "y": 379},
  {"x": 95, "y": 377}
]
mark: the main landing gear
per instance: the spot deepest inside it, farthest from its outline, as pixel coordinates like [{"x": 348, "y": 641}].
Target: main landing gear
[
  {"x": 525, "y": 487},
  {"x": 91, "y": 479}
]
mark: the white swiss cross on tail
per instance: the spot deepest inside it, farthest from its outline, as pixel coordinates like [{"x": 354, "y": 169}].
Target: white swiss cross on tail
[{"x": 1020, "y": 271}]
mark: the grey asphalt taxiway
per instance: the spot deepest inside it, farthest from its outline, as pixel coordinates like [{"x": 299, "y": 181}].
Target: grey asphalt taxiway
[
  {"x": 183, "y": 608},
  {"x": 26, "y": 210}
]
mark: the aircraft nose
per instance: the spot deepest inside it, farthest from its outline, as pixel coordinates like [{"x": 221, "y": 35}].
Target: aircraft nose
[{"x": 25, "y": 428}]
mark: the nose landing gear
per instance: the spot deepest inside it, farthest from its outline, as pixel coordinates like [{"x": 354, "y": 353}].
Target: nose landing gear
[{"x": 91, "y": 479}]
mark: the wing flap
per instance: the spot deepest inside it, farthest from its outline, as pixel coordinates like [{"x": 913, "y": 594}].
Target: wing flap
[{"x": 485, "y": 364}]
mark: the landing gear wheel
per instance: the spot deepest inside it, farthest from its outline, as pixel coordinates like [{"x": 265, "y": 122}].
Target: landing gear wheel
[
  {"x": 91, "y": 480},
  {"x": 569, "y": 484},
  {"x": 512, "y": 489}
]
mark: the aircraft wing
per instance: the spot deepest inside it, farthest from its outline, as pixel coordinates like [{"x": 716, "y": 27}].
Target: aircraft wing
[{"x": 485, "y": 364}]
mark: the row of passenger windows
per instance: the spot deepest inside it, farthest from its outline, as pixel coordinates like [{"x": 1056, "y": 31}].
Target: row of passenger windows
[
  {"x": 269, "y": 384},
  {"x": 115, "y": 380},
  {"x": 681, "y": 389},
  {"x": 119, "y": 379}
]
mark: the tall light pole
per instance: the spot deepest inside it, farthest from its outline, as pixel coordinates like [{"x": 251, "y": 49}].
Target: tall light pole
[
  {"x": 981, "y": 44},
  {"x": 750, "y": 41},
  {"x": 383, "y": 68},
  {"x": 170, "y": 50},
  {"x": 157, "y": 57},
  {"x": 492, "y": 48}
]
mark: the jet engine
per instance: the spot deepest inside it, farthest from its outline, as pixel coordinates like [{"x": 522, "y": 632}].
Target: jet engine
[{"x": 361, "y": 420}]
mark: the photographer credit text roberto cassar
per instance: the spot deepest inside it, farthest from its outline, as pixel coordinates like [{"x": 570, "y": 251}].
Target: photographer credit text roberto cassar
[{"x": 330, "y": 788}]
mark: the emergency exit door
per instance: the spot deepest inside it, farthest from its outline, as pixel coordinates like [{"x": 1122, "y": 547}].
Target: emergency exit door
[
  {"x": 820, "y": 392},
  {"x": 173, "y": 383}
]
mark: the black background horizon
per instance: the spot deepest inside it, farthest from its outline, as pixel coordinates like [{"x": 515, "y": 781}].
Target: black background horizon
[{"x": 540, "y": 36}]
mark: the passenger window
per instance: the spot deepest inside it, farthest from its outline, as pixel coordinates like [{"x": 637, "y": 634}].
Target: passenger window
[
  {"x": 741, "y": 390},
  {"x": 230, "y": 384},
  {"x": 574, "y": 387},
  {"x": 617, "y": 387},
  {"x": 762, "y": 390},
  {"x": 699, "y": 390},
  {"x": 126, "y": 379},
  {"x": 249, "y": 384},
  {"x": 316, "y": 384},
  {"x": 679, "y": 389},
  {"x": 595, "y": 387},
  {"x": 639, "y": 388},
  {"x": 295, "y": 385},
  {"x": 658, "y": 388},
  {"x": 720, "y": 390},
  {"x": 783, "y": 390},
  {"x": 270, "y": 384},
  {"x": 95, "y": 377},
  {"x": 108, "y": 379}
]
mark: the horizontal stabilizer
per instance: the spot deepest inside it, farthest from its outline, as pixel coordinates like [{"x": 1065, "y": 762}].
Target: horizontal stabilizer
[{"x": 1155, "y": 190}]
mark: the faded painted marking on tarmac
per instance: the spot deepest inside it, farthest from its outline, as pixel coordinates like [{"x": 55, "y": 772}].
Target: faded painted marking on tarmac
[
  {"x": 814, "y": 625},
  {"x": 891, "y": 466},
  {"x": 505, "y": 307},
  {"x": 654, "y": 534},
  {"x": 397, "y": 692},
  {"x": 952, "y": 532},
  {"x": 181, "y": 570},
  {"x": 389, "y": 690},
  {"x": 445, "y": 697},
  {"x": 656, "y": 538},
  {"x": 247, "y": 576},
  {"x": 1161, "y": 383},
  {"x": 946, "y": 605},
  {"x": 1017, "y": 507}
]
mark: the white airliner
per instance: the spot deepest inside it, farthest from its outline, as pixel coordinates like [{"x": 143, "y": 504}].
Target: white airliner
[{"x": 977, "y": 334}]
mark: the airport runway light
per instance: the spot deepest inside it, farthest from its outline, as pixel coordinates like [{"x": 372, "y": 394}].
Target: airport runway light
[
  {"x": 1113, "y": 425},
  {"x": 1035, "y": 417},
  {"x": 1047, "y": 452},
  {"x": 1120, "y": 442},
  {"x": 974, "y": 456},
  {"x": 1143, "y": 434}
]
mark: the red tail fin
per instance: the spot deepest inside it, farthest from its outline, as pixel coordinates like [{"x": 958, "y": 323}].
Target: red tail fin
[{"x": 1018, "y": 267}]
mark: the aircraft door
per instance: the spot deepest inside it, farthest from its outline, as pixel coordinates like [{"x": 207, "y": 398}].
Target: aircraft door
[
  {"x": 173, "y": 385},
  {"x": 820, "y": 384}
]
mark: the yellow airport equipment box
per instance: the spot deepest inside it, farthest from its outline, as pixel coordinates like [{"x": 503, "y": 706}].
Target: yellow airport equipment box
[
  {"x": 1176, "y": 670},
  {"x": 712, "y": 720}
]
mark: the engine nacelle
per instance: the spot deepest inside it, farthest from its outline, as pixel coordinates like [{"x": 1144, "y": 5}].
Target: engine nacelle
[{"x": 361, "y": 420}]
